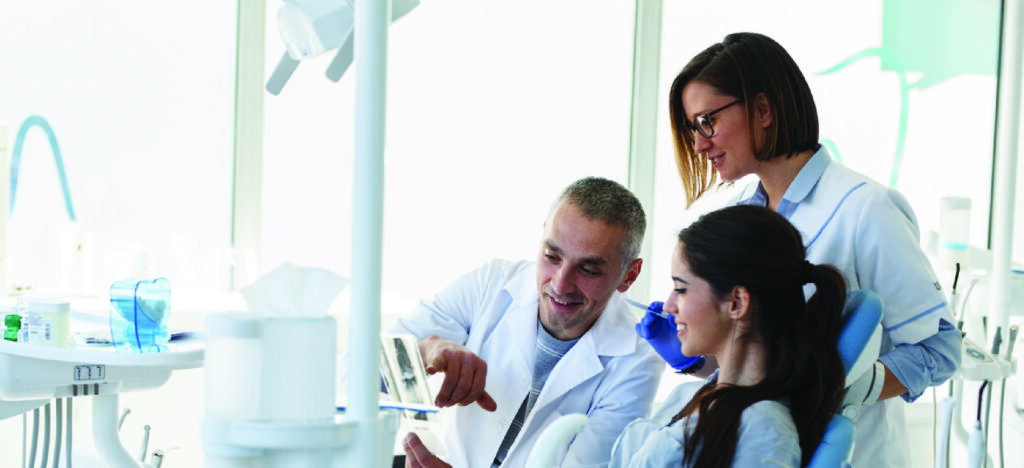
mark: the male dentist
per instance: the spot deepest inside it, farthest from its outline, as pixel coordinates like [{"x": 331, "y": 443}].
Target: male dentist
[{"x": 523, "y": 343}]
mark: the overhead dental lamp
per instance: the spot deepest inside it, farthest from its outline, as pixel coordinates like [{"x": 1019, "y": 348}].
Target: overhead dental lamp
[{"x": 312, "y": 27}]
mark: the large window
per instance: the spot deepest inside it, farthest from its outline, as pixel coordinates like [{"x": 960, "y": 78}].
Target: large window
[
  {"x": 139, "y": 97},
  {"x": 142, "y": 115},
  {"x": 493, "y": 108}
]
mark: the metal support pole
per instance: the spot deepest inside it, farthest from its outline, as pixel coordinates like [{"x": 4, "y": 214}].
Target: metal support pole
[
  {"x": 370, "y": 51},
  {"x": 1005, "y": 183}
]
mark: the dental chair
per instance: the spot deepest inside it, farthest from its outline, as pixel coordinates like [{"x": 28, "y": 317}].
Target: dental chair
[{"x": 859, "y": 342}]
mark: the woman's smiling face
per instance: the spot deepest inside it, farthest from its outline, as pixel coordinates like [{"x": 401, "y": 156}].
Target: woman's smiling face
[
  {"x": 728, "y": 149},
  {"x": 702, "y": 320}
]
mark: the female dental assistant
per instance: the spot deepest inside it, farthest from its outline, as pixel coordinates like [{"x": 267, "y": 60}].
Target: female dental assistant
[{"x": 743, "y": 107}]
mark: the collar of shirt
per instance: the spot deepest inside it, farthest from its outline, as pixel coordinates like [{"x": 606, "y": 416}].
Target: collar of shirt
[{"x": 798, "y": 190}]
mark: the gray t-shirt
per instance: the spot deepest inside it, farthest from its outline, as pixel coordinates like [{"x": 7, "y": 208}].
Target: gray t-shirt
[{"x": 549, "y": 351}]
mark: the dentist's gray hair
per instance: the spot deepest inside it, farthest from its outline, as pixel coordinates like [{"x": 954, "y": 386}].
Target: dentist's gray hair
[{"x": 608, "y": 201}]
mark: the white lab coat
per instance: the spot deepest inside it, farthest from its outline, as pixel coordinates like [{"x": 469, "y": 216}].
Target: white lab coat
[
  {"x": 870, "y": 234},
  {"x": 610, "y": 375}
]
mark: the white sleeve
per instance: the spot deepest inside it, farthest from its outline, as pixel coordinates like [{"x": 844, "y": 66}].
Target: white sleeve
[
  {"x": 889, "y": 261},
  {"x": 450, "y": 313}
]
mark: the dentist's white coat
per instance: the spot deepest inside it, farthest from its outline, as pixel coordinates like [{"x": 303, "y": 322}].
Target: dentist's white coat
[{"x": 610, "y": 375}]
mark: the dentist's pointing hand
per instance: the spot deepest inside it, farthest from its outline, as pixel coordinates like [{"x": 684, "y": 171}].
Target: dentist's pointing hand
[{"x": 465, "y": 373}]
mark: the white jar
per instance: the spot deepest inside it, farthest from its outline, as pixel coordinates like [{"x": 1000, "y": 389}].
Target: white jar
[{"x": 49, "y": 322}]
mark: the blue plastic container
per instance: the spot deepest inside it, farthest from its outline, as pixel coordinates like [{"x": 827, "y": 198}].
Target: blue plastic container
[{"x": 138, "y": 315}]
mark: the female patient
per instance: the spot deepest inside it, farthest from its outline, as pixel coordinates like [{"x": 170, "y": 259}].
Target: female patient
[{"x": 738, "y": 276}]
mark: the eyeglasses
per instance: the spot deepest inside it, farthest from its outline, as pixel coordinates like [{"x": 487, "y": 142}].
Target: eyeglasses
[{"x": 702, "y": 123}]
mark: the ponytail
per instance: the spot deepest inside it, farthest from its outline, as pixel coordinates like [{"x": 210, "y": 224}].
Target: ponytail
[{"x": 820, "y": 390}]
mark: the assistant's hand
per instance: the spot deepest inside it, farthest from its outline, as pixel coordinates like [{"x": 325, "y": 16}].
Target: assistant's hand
[
  {"x": 417, "y": 455},
  {"x": 660, "y": 332},
  {"x": 465, "y": 373}
]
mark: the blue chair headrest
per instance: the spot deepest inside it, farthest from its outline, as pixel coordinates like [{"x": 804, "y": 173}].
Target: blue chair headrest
[{"x": 861, "y": 315}]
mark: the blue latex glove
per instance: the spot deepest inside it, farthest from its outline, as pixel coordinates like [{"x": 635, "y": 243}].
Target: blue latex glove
[{"x": 660, "y": 332}]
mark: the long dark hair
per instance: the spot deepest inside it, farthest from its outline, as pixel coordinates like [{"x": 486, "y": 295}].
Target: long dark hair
[
  {"x": 744, "y": 65},
  {"x": 755, "y": 247}
]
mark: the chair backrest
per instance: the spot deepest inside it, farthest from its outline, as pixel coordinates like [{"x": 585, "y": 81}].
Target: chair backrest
[{"x": 859, "y": 342}]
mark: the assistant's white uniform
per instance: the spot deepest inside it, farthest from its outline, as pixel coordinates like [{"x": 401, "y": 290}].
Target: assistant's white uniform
[
  {"x": 869, "y": 232},
  {"x": 610, "y": 374}
]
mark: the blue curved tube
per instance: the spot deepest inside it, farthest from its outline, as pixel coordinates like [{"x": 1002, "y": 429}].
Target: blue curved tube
[{"x": 19, "y": 141}]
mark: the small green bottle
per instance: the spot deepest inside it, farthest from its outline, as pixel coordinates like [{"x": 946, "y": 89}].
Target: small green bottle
[{"x": 13, "y": 323}]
